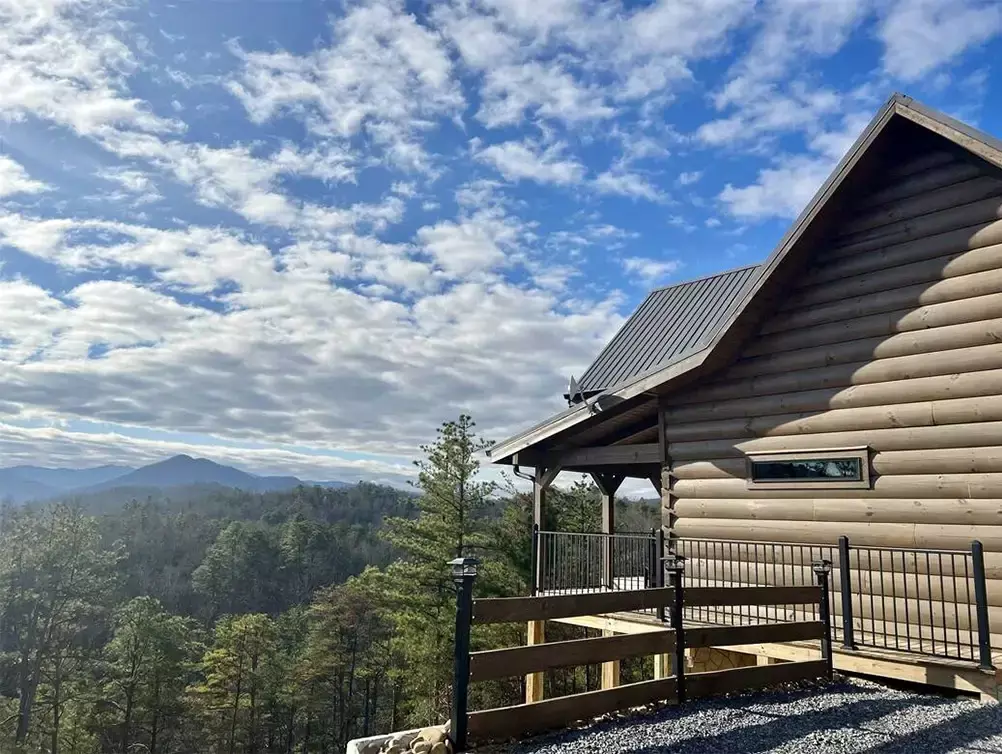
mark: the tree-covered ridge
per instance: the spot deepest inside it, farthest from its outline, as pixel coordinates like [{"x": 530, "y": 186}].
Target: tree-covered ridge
[{"x": 244, "y": 622}]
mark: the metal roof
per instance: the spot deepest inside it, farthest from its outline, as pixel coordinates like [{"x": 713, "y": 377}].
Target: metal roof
[{"x": 670, "y": 324}]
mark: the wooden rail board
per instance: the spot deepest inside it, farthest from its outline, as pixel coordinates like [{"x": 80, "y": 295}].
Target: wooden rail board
[
  {"x": 517, "y": 609},
  {"x": 510, "y": 722},
  {"x": 723, "y": 636},
  {"x": 742, "y": 679},
  {"x": 708, "y": 596},
  {"x": 504, "y": 663}
]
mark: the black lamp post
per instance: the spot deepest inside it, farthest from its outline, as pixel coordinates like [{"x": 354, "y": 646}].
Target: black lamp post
[
  {"x": 464, "y": 573},
  {"x": 822, "y": 571}
]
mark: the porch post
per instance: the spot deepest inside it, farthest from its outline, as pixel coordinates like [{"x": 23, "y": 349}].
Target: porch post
[
  {"x": 607, "y": 485},
  {"x": 536, "y": 633}
]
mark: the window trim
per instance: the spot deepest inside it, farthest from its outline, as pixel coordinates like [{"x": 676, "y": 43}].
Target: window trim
[{"x": 860, "y": 453}]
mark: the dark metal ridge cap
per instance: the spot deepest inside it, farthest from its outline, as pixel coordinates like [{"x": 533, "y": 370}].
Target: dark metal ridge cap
[{"x": 969, "y": 138}]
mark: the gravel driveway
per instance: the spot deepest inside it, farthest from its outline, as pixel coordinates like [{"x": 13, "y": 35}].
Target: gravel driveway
[{"x": 846, "y": 716}]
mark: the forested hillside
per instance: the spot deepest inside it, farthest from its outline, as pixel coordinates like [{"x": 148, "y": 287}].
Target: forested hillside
[{"x": 220, "y": 621}]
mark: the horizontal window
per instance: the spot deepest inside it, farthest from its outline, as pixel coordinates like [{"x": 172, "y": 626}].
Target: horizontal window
[
  {"x": 816, "y": 469},
  {"x": 840, "y": 467}
]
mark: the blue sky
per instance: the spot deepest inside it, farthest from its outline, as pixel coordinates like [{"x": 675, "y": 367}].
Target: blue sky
[{"x": 296, "y": 236}]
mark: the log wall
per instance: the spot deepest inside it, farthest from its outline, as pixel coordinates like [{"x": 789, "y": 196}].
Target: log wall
[{"x": 890, "y": 339}]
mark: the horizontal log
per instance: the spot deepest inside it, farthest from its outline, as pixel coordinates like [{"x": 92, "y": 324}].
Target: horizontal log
[
  {"x": 930, "y": 488},
  {"x": 836, "y": 264},
  {"x": 523, "y": 609},
  {"x": 919, "y": 414},
  {"x": 961, "y": 216},
  {"x": 923, "y": 536},
  {"x": 505, "y": 663},
  {"x": 779, "y": 554},
  {"x": 899, "y": 577},
  {"x": 723, "y": 636},
  {"x": 950, "y": 386},
  {"x": 983, "y": 460},
  {"x": 523, "y": 719},
  {"x": 918, "y": 164},
  {"x": 968, "y": 298},
  {"x": 810, "y": 292},
  {"x": 884, "y": 510},
  {"x": 781, "y": 375},
  {"x": 925, "y": 180},
  {"x": 699, "y": 685},
  {"x": 973, "y": 435},
  {"x": 935, "y": 200},
  {"x": 711, "y": 468},
  {"x": 610, "y": 455},
  {"x": 751, "y": 595}
]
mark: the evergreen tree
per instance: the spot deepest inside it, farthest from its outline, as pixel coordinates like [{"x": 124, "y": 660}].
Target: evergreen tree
[{"x": 452, "y": 522}]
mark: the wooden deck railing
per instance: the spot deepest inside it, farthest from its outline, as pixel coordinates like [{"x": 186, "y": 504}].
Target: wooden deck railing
[{"x": 521, "y": 719}]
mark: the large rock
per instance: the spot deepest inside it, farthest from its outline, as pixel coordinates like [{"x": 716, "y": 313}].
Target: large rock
[{"x": 433, "y": 735}]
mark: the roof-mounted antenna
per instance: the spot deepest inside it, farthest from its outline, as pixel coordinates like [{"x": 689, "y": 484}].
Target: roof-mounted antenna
[{"x": 574, "y": 392}]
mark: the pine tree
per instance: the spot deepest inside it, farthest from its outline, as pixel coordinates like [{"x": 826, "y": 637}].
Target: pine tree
[{"x": 452, "y": 522}]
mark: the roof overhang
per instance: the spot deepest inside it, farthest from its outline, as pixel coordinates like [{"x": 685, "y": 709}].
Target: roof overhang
[{"x": 634, "y": 393}]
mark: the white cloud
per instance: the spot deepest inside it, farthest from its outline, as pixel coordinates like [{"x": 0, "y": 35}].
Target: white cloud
[
  {"x": 383, "y": 73},
  {"x": 473, "y": 245},
  {"x": 625, "y": 183},
  {"x": 650, "y": 271},
  {"x": 61, "y": 62},
  {"x": 781, "y": 191},
  {"x": 545, "y": 88},
  {"x": 689, "y": 177},
  {"x": 921, "y": 35},
  {"x": 520, "y": 160},
  {"x": 15, "y": 180}
]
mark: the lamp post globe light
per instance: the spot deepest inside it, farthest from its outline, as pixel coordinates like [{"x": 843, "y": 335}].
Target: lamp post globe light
[{"x": 463, "y": 568}]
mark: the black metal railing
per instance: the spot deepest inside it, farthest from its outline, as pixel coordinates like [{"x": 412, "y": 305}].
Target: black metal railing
[
  {"x": 717, "y": 562},
  {"x": 578, "y": 562},
  {"x": 927, "y": 602}
]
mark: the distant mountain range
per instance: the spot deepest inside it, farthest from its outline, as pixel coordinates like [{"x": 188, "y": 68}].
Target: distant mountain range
[{"x": 26, "y": 483}]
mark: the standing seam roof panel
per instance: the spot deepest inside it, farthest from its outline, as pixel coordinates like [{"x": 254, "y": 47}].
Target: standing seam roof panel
[{"x": 670, "y": 324}]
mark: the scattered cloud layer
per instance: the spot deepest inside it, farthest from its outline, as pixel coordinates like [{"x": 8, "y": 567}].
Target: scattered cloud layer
[{"x": 298, "y": 244}]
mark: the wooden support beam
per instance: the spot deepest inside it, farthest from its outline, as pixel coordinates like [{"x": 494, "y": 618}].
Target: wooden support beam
[
  {"x": 700, "y": 685},
  {"x": 516, "y": 609},
  {"x": 610, "y": 670},
  {"x": 513, "y": 722},
  {"x": 723, "y": 636},
  {"x": 537, "y": 657},
  {"x": 608, "y": 484},
  {"x": 534, "y": 681},
  {"x": 609, "y": 455}
]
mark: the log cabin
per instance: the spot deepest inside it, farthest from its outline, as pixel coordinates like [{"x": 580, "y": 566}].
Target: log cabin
[{"x": 842, "y": 399}]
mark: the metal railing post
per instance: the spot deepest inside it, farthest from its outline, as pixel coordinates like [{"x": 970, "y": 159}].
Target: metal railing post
[
  {"x": 534, "y": 562},
  {"x": 676, "y": 566},
  {"x": 659, "y": 569},
  {"x": 845, "y": 584},
  {"x": 981, "y": 600},
  {"x": 464, "y": 572},
  {"x": 822, "y": 569}
]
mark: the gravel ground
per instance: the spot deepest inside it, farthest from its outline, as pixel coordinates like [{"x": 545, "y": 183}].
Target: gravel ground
[{"x": 845, "y": 716}]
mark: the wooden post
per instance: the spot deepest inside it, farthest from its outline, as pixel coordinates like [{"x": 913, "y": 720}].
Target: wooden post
[
  {"x": 607, "y": 485},
  {"x": 662, "y": 666},
  {"x": 610, "y": 670},
  {"x": 534, "y": 681}
]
